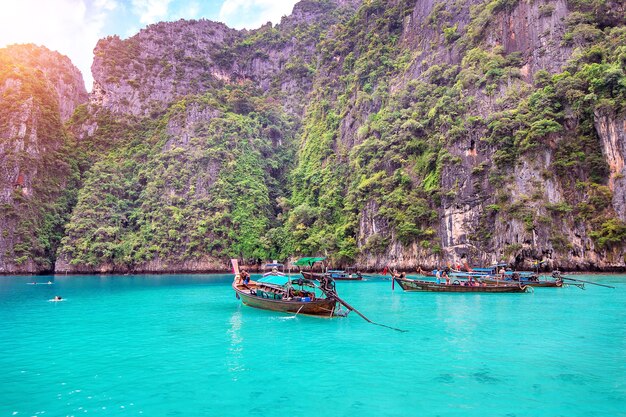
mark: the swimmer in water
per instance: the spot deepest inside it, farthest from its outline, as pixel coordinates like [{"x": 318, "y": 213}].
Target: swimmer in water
[{"x": 57, "y": 298}]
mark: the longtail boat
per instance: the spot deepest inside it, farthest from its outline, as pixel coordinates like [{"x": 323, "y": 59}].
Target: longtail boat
[
  {"x": 531, "y": 282},
  {"x": 296, "y": 296},
  {"x": 335, "y": 275},
  {"x": 275, "y": 269},
  {"x": 496, "y": 274},
  {"x": 408, "y": 284},
  {"x": 350, "y": 274}
]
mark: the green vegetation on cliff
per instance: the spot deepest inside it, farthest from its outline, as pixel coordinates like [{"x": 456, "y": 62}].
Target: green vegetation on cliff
[
  {"x": 376, "y": 148},
  {"x": 423, "y": 132},
  {"x": 200, "y": 181},
  {"x": 40, "y": 176}
]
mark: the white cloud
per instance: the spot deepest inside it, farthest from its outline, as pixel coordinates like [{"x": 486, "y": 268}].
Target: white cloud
[
  {"x": 109, "y": 5},
  {"x": 252, "y": 14},
  {"x": 151, "y": 11},
  {"x": 67, "y": 26}
]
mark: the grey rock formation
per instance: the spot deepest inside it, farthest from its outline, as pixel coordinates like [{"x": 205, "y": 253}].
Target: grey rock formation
[
  {"x": 39, "y": 89},
  {"x": 612, "y": 131}
]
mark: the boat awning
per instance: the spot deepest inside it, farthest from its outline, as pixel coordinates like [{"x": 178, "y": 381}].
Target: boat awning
[
  {"x": 272, "y": 265},
  {"x": 307, "y": 261}
]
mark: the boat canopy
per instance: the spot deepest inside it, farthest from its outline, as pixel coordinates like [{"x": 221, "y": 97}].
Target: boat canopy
[
  {"x": 273, "y": 265},
  {"x": 307, "y": 261}
]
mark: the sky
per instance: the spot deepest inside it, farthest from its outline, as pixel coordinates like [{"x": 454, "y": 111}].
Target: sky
[{"x": 73, "y": 27}]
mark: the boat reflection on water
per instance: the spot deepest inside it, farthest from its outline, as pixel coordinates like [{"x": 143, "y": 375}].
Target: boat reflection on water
[{"x": 235, "y": 350}]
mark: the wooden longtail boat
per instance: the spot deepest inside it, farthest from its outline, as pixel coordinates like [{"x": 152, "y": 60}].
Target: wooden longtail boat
[
  {"x": 492, "y": 275},
  {"x": 348, "y": 275},
  {"x": 275, "y": 269},
  {"x": 522, "y": 281},
  {"x": 285, "y": 298},
  {"x": 333, "y": 274},
  {"x": 408, "y": 284}
]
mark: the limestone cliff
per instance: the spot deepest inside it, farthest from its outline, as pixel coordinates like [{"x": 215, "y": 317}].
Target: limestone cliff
[
  {"x": 39, "y": 89},
  {"x": 403, "y": 132},
  {"x": 478, "y": 142},
  {"x": 166, "y": 61}
]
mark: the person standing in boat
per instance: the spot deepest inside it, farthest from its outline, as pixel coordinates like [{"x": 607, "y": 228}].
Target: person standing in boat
[{"x": 502, "y": 272}]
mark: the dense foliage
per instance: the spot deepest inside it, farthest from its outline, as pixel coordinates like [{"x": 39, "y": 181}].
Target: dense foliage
[{"x": 200, "y": 181}]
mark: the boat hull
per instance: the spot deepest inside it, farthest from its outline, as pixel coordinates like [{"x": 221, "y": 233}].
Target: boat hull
[
  {"x": 342, "y": 278},
  {"x": 427, "y": 286},
  {"x": 552, "y": 284}
]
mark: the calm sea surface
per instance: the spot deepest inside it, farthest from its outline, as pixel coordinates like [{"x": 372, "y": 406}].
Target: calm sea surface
[{"x": 182, "y": 345}]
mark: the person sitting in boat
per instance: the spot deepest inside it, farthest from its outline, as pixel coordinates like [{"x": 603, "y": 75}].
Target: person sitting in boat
[
  {"x": 245, "y": 277},
  {"x": 445, "y": 275},
  {"x": 57, "y": 298}
]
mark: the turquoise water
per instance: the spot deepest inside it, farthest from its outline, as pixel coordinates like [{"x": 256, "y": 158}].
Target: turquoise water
[{"x": 182, "y": 345}]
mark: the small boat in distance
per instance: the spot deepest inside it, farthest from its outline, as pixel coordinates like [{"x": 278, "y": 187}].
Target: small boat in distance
[
  {"x": 336, "y": 275},
  {"x": 350, "y": 274},
  {"x": 408, "y": 284},
  {"x": 296, "y": 296},
  {"x": 275, "y": 269}
]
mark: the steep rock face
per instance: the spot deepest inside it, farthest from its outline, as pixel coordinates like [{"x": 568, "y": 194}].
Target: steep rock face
[
  {"x": 38, "y": 89},
  {"x": 499, "y": 161},
  {"x": 534, "y": 29},
  {"x": 65, "y": 79},
  {"x": 428, "y": 132},
  {"x": 612, "y": 131},
  {"x": 160, "y": 63},
  {"x": 167, "y": 61}
]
